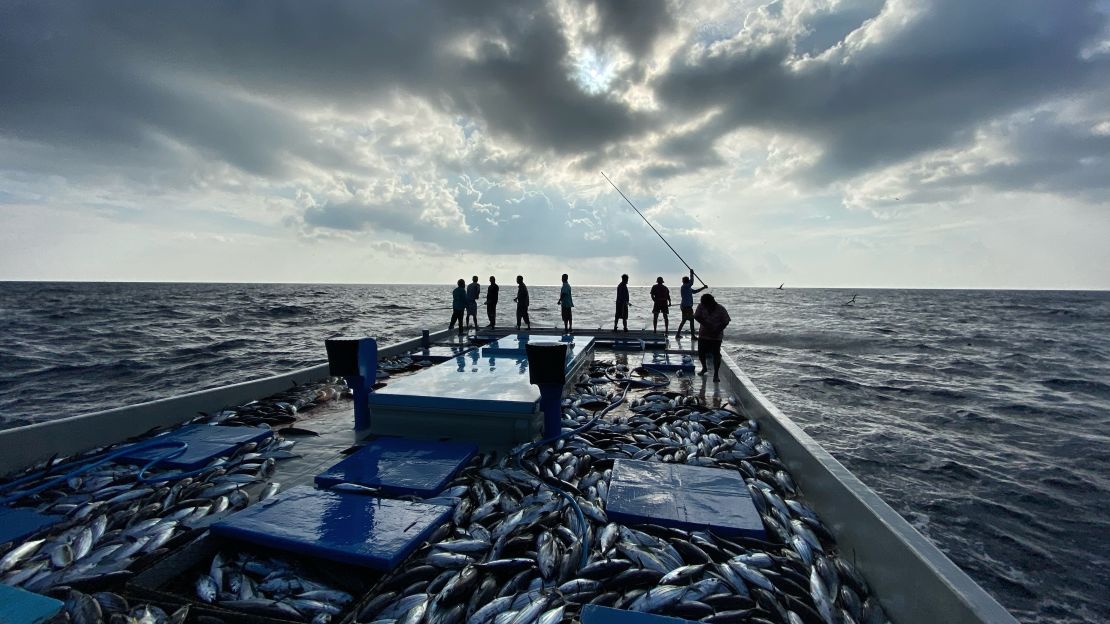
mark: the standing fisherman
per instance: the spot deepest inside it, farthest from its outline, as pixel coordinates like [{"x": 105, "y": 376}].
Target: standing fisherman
[
  {"x": 661, "y": 296},
  {"x": 687, "y": 305},
  {"x": 622, "y": 303},
  {"x": 491, "y": 301},
  {"x": 458, "y": 305},
  {"x": 566, "y": 304},
  {"x": 521, "y": 300},
  {"x": 473, "y": 291},
  {"x": 713, "y": 318}
]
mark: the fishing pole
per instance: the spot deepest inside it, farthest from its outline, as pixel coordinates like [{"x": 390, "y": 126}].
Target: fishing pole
[{"x": 653, "y": 228}]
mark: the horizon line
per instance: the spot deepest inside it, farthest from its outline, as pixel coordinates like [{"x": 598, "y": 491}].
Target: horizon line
[{"x": 485, "y": 283}]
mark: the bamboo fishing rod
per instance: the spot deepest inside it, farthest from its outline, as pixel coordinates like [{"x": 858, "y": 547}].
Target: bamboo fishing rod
[{"x": 653, "y": 228}]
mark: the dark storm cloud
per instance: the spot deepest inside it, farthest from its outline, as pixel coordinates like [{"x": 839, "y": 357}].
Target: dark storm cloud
[
  {"x": 637, "y": 23},
  {"x": 143, "y": 85},
  {"x": 125, "y": 77},
  {"x": 955, "y": 66}
]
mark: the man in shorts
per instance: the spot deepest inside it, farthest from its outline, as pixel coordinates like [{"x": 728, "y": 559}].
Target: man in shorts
[
  {"x": 622, "y": 303},
  {"x": 687, "y": 305},
  {"x": 473, "y": 291},
  {"x": 661, "y": 298}
]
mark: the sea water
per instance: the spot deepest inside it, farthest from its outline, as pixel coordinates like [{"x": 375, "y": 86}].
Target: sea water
[{"x": 983, "y": 417}]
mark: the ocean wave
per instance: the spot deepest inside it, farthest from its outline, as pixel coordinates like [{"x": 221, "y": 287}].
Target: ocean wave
[
  {"x": 288, "y": 310},
  {"x": 1086, "y": 386}
]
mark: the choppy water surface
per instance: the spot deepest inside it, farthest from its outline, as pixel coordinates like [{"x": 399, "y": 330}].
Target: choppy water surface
[{"x": 980, "y": 416}]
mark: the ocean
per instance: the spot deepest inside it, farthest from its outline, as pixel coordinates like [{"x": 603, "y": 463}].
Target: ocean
[{"x": 983, "y": 417}]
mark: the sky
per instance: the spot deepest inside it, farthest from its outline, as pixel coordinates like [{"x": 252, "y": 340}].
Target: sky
[{"x": 824, "y": 143}]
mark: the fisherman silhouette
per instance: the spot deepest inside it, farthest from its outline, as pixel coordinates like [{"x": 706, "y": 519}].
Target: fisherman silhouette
[
  {"x": 473, "y": 291},
  {"x": 686, "y": 304},
  {"x": 491, "y": 301},
  {"x": 521, "y": 300},
  {"x": 661, "y": 297},
  {"x": 566, "y": 305},
  {"x": 713, "y": 318},
  {"x": 458, "y": 305},
  {"x": 622, "y": 303}
]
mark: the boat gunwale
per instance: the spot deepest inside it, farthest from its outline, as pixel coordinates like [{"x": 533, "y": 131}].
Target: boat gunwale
[
  {"x": 26, "y": 445},
  {"x": 912, "y": 579}
]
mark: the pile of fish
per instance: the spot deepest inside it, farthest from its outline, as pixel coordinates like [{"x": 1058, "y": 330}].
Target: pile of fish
[
  {"x": 111, "y": 518},
  {"x": 82, "y": 608},
  {"x": 271, "y": 587},
  {"x": 515, "y": 550},
  {"x": 402, "y": 364},
  {"x": 528, "y": 538},
  {"x": 281, "y": 408}
]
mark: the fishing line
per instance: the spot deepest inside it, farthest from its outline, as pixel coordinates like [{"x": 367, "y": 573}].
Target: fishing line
[{"x": 652, "y": 228}]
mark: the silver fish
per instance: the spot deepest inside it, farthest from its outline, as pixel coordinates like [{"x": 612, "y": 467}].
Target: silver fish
[
  {"x": 207, "y": 588},
  {"x": 19, "y": 553}
]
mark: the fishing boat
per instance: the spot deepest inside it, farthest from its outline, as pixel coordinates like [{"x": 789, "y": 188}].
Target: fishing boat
[{"x": 509, "y": 467}]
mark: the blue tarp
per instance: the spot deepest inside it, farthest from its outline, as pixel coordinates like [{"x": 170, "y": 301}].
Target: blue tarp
[
  {"x": 18, "y": 523},
  {"x": 349, "y": 528},
  {"x": 681, "y": 496},
  {"x": 18, "y": 606},
  {"x": 206, "y": 442},
  {"x": 401, "y": 466},
  {"x": 594, "y": 614}
]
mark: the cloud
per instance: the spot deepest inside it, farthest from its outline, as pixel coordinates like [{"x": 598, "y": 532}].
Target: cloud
[
  {"x": 1027, "y": 152},
  {"x": 470, "y": 126},
  {"x": 916, "y": 77}
]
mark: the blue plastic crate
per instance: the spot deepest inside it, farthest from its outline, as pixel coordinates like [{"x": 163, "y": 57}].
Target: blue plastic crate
[
  {"x": 681, "y": 496},
  {"x": 356, "y": 529},
  {"x": 401, "y": 466},
  {"x": 18, "y": 606},
  {"x": 206, "y": 442}
]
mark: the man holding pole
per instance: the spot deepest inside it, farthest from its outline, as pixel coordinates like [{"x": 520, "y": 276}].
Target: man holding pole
[{"x": 687, "y": 305}]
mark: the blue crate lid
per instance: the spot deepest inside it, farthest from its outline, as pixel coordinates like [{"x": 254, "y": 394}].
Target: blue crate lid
[
  {"x": 356, "y": 529},
  {"x": 439, "y": 354},
  {"x": 206, "y": 442},
  {"x": 681, "y": 496},
  {"x": 401, "y": 466},
  {"x": 668, "y": 361},
  {"x": 18, "y": 606},
  {"x": 19, "y": 523},
  {"x": 594, "y": 614}
]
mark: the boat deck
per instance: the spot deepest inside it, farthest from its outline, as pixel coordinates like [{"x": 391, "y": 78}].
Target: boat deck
[{"x": 688, "y": 419}]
